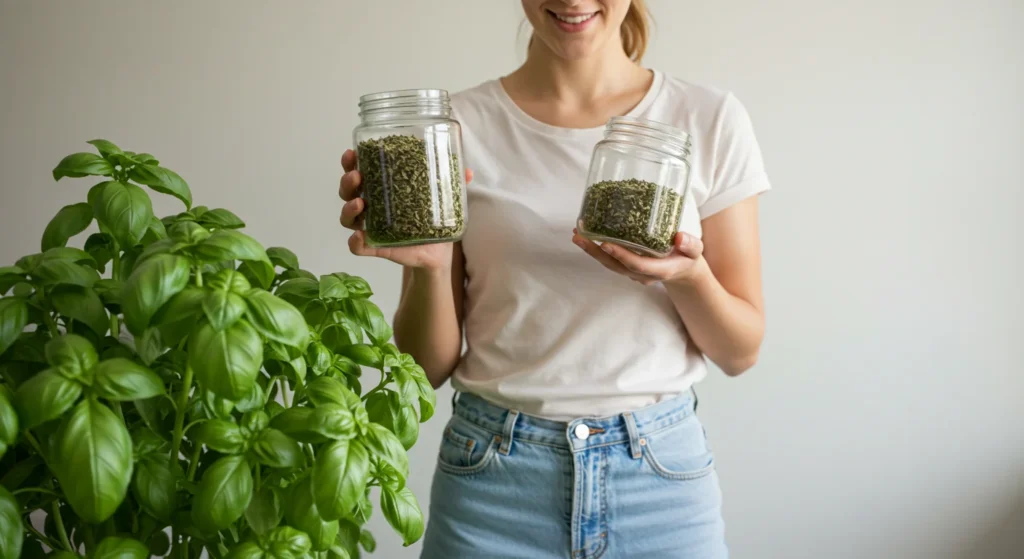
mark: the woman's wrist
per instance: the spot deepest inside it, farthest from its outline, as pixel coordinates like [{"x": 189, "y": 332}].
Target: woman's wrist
[{"x": 694, "y": 277}]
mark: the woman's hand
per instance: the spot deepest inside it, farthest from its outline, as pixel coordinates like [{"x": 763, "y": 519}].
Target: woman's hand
[
  {"x": 436, "y": 256},
  {"x": 685, "y": 264}
]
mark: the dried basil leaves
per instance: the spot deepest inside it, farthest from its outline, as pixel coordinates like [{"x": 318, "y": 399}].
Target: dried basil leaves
[{"x": 634, "y": 211}]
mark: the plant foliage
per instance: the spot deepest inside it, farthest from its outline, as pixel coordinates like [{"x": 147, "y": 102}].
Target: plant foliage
[{"x": 172, "y": 387}]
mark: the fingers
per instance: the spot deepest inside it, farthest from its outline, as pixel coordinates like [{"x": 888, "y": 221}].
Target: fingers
[
  {"x": 357, "y": 244},
  {"x": 348, "y": 160},
  {"x": 655, "y": 269},
  {"x": 595, "y": 251},
  {"x": 350, "y": 185},
  {"x": 688, "y": 245},
  {"x": 352, "y": 213}
]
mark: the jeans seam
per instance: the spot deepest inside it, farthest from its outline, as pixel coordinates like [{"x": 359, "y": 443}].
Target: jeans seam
[{"x": 489, "y": 456}]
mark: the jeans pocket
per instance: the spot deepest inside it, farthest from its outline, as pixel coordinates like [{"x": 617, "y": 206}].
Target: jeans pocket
[
  {"x": 679, "y": 452},
  {"x": 466, "y": 448}
]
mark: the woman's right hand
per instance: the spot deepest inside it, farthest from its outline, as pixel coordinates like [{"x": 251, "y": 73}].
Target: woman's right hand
[{"x": 435, "y": 256}]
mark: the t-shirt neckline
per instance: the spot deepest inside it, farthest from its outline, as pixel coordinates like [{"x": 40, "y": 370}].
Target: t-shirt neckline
[{"x": 528, "y": 121}]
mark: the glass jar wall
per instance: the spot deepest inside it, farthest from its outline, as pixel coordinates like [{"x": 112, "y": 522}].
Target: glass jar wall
[
  {"x": 410, "y": 157},
  {"x": 638, "y": 180}
]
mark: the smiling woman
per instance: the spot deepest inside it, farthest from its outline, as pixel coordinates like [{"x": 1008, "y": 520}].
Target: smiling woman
[{"x": 575, "y": 431}]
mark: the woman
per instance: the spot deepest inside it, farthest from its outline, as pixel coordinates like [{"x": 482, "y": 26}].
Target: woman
[{"x": 574, "y": 432}]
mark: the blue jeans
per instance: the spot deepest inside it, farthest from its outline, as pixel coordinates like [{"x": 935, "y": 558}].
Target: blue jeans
[{"x": 640, "y": 484}]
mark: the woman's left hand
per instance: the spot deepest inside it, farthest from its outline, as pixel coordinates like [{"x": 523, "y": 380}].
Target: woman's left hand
[{"x": 682, "y": 266}]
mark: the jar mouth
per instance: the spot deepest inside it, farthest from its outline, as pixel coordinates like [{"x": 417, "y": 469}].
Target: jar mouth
[
  {"x": 672, "y": 137},
  {"x": 406, "y": 101}
]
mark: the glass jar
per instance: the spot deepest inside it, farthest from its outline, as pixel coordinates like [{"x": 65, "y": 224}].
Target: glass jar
[
  {"x": 410, "y": 157},
  {"x": 638, "y": 180}
]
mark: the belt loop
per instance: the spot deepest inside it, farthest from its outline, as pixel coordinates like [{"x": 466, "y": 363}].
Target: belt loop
[
  {"x": 634, "y": 435},
  {"x": 455, "y": 399},
  {"x": 506, "y": 432},
  {"x": 693, "y": 390}
]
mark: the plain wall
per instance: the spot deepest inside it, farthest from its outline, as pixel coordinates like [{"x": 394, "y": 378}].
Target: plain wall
[{"x": 885, "y": 416}]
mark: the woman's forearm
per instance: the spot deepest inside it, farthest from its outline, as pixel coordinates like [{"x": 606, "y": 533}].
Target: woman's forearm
[
  {"x": 728, "y": 329},
  {"x": 428, "y": 320}
]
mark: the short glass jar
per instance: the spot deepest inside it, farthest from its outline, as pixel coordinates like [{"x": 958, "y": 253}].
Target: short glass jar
[
  {"x": 638, "y": 180},
  {"x": 410, "y": 157}
]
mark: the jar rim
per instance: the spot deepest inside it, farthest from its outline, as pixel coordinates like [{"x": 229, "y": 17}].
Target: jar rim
[
  {"x": 429, "y": 95},
  {"x": 672, "y": 135}
]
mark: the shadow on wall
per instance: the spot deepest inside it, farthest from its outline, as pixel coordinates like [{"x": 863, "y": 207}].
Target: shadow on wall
[{"x": 1005, "y": 540}]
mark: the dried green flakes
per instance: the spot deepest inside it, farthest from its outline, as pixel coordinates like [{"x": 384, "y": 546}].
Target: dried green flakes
[
  {"x": 635, "y": 211},
  {"x": 408, "y": 201}
]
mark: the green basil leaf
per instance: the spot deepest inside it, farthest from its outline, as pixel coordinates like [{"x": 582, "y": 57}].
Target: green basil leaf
[
  {"x": 123, "y": 380},
  {"x": 389, "y": 450},
  {"x": 302, "y": 513},
  {"x": 332, "y": 287},
  {"x": 70, "y": 254},
  {"x": 370, "y": 318},
  {"x": 327, "y": 390},
  {"x": 101, "y": 247},
  {"x": 221, "y": 435},
  {"x": 276, "y": 319},
  {"x": 157, "y": 414},
  {"x": 71, "y": 355},
  {"x": 407, "y": 387},
  {"x": 69, "y": 221},
  {"x": 286, "y": 542},
  {"x": 187, "y": 232},
  {"x": 356, "y": 286},
  {"x": 178, "y": 317},
  {"x": 344, "y": 366},
  {"x": 155, "y": 486},
  {"x": 340, "y": 473},
  {"x": 109, "y": 292},
  {"x": 254, "y": 401},
  {"x": 44, "y": 397},
  {"x": 105, "y": 147},
  {"x": 113, "y": 547},
  {"x": 264, "y": 511},
  {"x": 299, "y": 424},
  {"x": 363, "y": 510},
  {"x": 124, "y": 209},
  {"x": 253, "y": 422},
  {"x": 334, "y": 421},
  {"x": 13, "y": 319},
  {"x": 164, "y": 181},
  {"x": 367, "y": 540},
  {"x": 150, "y": 345},
  {"x": 294, "y": 274},
  {"x": 93, "y": 461},
  {"x": 385, "y": 407},
  {"x": 223, "y": 494},
  {"x": 223, "y": 308},
  {"x": 82, "y": 164},
  {"x": 220, "y": 219},
  {"x": 280, "y": 256},
  {"x": 363, "y": 354},
  {"x": 229, "y": 280},
  {"x": 259, "y": 273},
  {"x": 81, "y": 304},
  {"x": 150, "y": 286},
  {"x": 228, "y": 244},
  {"x": 64, "y": 272},
  {"x": 427, "y": 395},
  {"x": 159, "y": 543},
  {"x": 145, "y": 442},
  {"x": 12, "y": 532},
  {"x": 403, "y": 513},
  {"x": 156, "y": 231},
  {"x": 299, "y": 291},
  {"x": 246, "y": 550},
  {"x": 275, "y": 449},
  {"x": 226, "y": 362},
  {"x": 319, "y": 357},
  {"x": 8, "y": 421}
]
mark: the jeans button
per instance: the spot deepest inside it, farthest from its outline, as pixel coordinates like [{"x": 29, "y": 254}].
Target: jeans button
[{"x": 582, "y": 432}]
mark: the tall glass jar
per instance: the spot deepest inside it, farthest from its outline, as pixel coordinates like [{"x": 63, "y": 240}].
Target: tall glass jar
[
  {"x": 410, "y": 157},
  {"x": 638, "y": 180}
]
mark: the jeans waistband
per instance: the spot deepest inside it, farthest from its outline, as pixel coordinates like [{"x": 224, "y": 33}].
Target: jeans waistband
[{"x": 628, "y": 427}]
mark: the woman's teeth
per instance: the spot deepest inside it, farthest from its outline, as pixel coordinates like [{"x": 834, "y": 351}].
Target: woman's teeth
[{"x": 575, "y": 19}]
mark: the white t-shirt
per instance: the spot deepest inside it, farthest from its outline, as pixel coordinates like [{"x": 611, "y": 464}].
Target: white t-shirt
[{"x": 549, "y": 331}]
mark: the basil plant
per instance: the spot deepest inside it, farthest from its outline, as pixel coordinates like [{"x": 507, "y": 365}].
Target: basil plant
[{"x": 173, "y": 388}]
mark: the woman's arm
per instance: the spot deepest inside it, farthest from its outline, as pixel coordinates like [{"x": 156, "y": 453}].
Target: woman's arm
[
  {"x": 428, "y": 323},
  {"x": 721, "y": 302}
]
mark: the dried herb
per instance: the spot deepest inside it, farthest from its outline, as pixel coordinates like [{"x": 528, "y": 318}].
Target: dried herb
[
  {"x": 634, "y": 211},
  {"x": 410, "y": 197}
]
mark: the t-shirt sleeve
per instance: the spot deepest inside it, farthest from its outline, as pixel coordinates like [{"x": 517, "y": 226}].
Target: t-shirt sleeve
[{"x": 737, "y": 168}]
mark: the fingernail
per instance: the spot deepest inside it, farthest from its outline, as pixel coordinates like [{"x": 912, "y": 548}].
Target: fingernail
[
  {"x": 607, "y": 248},
  {"x": 580, "y": 244},
  {"x": 685, "y": 241}
]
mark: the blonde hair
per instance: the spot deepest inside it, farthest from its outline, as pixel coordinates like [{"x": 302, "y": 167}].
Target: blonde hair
[{"x": 635, "y": 30}]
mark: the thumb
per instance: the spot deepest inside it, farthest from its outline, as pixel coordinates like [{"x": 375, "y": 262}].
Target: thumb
[{"x": 689, "y": 245}]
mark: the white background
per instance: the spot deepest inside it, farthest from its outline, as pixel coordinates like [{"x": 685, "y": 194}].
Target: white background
[{"x": 886, "y": 417}]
